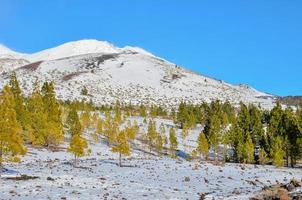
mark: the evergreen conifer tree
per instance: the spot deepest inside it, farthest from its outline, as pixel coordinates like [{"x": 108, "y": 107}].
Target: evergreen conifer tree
[
  {"x": 173, "y": 142},
  {"x": 278, "y": 152},
  {"x": 151, "y": 134},
  {"x": 78, "y": 146},
  {"x": 121, "y": 146},
  {"x": 11, "y": 141},
  {"x": 262, "y": 157},
  {"x": 249, "y": 149},
  {"x": 22, "y": 115},
  {"x": 202, "y": 145},
  {"x": 73, "y": 122},
  {"x": 38, "y": 124}
]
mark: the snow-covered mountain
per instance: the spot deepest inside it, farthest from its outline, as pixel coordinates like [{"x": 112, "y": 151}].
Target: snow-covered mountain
[{"x": 129, "y": 74}]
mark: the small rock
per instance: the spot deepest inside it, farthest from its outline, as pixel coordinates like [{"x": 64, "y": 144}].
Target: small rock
[{"x": 187, "y": 179}]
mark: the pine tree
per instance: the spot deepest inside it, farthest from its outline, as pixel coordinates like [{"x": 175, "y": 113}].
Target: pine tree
[
  {"x": 202, "y": 145},
  {"x": 274, "y": 126},
  {"x": 256, "y": 127},
  {"x": 38, "y": 115},
  {"x": 98, "y": 130},
  {"x": 161, "y": 140},
  {"x": 78, "y": 146},
  {"x": 213, "y": 132},
  {"x": 45, "y": 127},
  {"x": 99, "y": 126},
  {"x": 249, "y": 149},
  {"x": 131, "y": 131},
  {"x": 278, "y": 152},
  {"x": 182, "y": 114},
  {"x": 85, "y": 119},
  {"x": 11, "y": 141},
  {"x": 153, "y": 112},
  {"x": 55, "y": 133},
  {"x": 262, "y": 157},
  {"x": 118, "y": 114},
  {"x": 22, "y": 116},
  {"x": 142, "y": 111},
  {"x": 151, "y": 134},
  {"x": 121, "y": 146},
  {"x": 73, "y": 122},
  {"x": 51, "y": 104},
  {"x": 244, "y": 119},
  {"x": 173, "y": 142},
  {"x": 94, "y": 120},
  {"x": 159, "y": 143},
  {"x": 291, "y": 133},
  {"x": 240, "y": 151},
  {"x": 111, "y": 129},
  {"x": 162, "y": 129},
  {"x": 185, "y": 133}
]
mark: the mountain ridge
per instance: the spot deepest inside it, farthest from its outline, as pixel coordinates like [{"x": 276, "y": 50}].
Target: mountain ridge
[{"x": 129, "y": 74}]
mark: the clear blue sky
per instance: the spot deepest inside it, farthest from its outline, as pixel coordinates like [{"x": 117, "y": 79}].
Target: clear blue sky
[{"x": 255, "y": 42}]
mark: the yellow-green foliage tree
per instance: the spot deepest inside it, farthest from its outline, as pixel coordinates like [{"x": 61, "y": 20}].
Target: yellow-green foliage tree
[
  {"x": 111, "y": 128},
  {"x": 78, "y": 146},
  {"x": 213, "y": 129},
  {"x": 184, "y": 134},
  {"x": 94, "y": 120},
  {"x": 73, "y": 123},
  {"x": 173, "y": 142},
  {"x": 151, "y": 134},
  {"x": 159, "y": 143},
  {"x": 262, "y": 157},
  {"x": 249, "y": 149},
  {"x": 45, "y": 126},
  {"x": 131, "y": 130},
  {"x": 118, "y": 113},
  {"x": 98, "y": 130},
  {"x": 142, "y": 111},
  {"x": 121, "y": 146},
  {"x": 202, "y": 145},
  {"x": 85, "y": 119},
  {"x": 278, "y": 152},
  {"x": 21, "y": 113},
  {"x": 55, "y": 134},
  {"x": 38, "y": 124},
  {"x": 160, "y": 139},
  {"x": 11, "y": 141}
]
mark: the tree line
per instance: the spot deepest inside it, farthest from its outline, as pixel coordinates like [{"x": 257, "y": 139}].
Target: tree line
[
  {"x": 254, "y": 135},
  {"x": 40, "y": 120}
]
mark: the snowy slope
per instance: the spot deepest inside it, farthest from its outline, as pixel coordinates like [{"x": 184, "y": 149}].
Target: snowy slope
[
  {"x": 10, "y": 60},
  {"x": 144, "y": 175},
  {"x": 128, "y": 74}
]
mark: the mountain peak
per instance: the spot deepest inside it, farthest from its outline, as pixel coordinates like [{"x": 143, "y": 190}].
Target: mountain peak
[{"x": 75, "y": 48}]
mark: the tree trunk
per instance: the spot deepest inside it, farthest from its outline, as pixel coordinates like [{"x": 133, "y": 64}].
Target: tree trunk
[
  {"x": 292, "y": 162},
  {"x": 287, "y": 157},
  {"x": 120, "y": 160},
  {"x": 215, "y": 155},
  {"x": 150, "y": 146},
  {"x": 1, "y": 166},
  {"x": 75, "y": 161}
]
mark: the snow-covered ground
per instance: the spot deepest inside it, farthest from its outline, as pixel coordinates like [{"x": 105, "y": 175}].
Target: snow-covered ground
[{"x": 144, "y": 176}]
